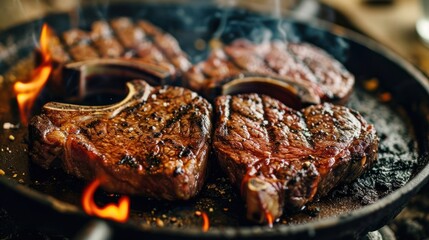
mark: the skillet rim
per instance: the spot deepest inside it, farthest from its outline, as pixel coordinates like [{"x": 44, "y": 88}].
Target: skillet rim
[{"x": 396, "y": 198}]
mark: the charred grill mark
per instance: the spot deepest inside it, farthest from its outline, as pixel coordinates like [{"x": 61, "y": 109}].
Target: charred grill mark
[
  {"x": 128, "y": 34},
  {"x": 278, "y": 71},
  {"x": 302, "y": 64},
  {"x": 131, "y": 47},
  {"x": 153, "y": 117},
  {"x": 231, "y": 60},
  {"x": 173, "y": 143},
  {"x": 267, "y": 125},
  {"x": 130, "y": 157},
  {"x": 301, "y": 59},
  {"x": 178, "y": 114},
  {"x": 266, "y": 70},
  {"x": 153, "y": 33},
  {"x": 129, "y": 161},
  {"x": 103, "y": 40},
  {"x": 178, "y": 171},
  {"x": 315, "y": 68},
  {"x": 185, "y": 151},
  {"x": 267, "y": 65},
  {"x": 84, "y": 131},
  {"x": 108, "y": 45},
  {"x": 78, "y": 44},
  {"x": 131, "y": 109},
  {"x": 83, "y": 52},
  {"x": 250, "y": 116},
  {"x": 162, "y": 51},
  {"x": 183, "y": 109},
  {"x": 93, "y": 124},
  {"x": 196, "y": 120},
  {"x": 153, "y": 162}
]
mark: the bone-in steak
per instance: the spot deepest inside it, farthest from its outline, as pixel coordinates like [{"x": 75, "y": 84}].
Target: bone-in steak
[
  {"x": 302, "y": 63},
  {"x": 120, "y": 38},
  {"x": 155, "y": 142},
  {"x": 280, "y": 157}
]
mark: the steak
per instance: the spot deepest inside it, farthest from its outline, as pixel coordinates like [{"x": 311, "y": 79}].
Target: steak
[
  {"x": 282, "y": 158},
  {"x": 154, "y": 143},
  {"x": 301, "y": 63},
  {"x": 119, "y": 38}
]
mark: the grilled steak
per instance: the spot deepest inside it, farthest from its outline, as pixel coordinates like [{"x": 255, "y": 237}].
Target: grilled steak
[
  {"x": 120, "y": 38},
  {"x": 280, "y": 157},
  {"x": 155, "y": 142},
  {"x": 300, "y": 62}
]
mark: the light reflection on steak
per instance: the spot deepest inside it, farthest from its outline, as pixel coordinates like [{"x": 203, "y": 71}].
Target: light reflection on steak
[
  {"x": 154, "y": 143},
  {"x": 281, "y": 157},
  {"x": 302, "y": 63}
]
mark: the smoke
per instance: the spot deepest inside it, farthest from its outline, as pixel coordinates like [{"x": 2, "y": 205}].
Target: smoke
[
  {"x": 224, "y": 19},
  {"x": 101, "y": 9},
  {"x": 288, "y": 21},
  {"x": 313, "y": 33},
  {"x": 277, "y": 13}
]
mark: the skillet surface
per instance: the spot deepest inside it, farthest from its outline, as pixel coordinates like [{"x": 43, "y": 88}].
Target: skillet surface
[{"x": 351, "y": 210}]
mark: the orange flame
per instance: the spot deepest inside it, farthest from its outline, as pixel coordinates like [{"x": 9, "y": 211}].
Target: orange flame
[
  {"x": 111, "y": 211},
  {"x": 206, "y": 222},
  {"x": 269, "y": 218},
  {"x": 27, "y": 92}
]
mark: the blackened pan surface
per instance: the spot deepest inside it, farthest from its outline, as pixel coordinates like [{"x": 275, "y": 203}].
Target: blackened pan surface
[{"x": 398, "y": 107}]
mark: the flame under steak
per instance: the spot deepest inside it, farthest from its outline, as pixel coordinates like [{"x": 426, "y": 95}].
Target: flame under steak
[
  {"x": 155, "y": 142},
  {"x": 280, "y": 157},
  {"x": 301, "y": 63}
]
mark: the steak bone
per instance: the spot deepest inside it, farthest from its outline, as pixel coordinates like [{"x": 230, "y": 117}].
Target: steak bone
[
  {"x": 281, "y": 158},
  {"x": 290, "y": 93},
  {"x": 154, "y": 143},
  {"x": 48, "y": 138},
  {"x": 85, "y": 78}
]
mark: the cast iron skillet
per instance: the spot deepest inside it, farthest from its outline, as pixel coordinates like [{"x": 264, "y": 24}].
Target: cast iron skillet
[{"x": 50, "y": 200}]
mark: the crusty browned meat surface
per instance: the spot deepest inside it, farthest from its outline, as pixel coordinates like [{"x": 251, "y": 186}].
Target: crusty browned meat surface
[
  {"x": 302, "y": 63},
  {"x": 283, "y": 158},
  {"x": 120, "y": 38},
  {"x": 154, "y": 143}
]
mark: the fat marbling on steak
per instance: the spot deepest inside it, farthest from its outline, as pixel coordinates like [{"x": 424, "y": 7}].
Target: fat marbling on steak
[
  {"x": 280, "y": 157},
  {"x": 154, "y": 143},
  {"x": 302, "y": 63}
]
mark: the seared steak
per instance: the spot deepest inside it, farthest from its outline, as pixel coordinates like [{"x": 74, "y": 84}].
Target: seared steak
[
  {"x": 120, "y": 38},
  {"x": 155, "y": 142},
  {"x": 299, "y": 62},
  {"x": 280, "y": 157}
]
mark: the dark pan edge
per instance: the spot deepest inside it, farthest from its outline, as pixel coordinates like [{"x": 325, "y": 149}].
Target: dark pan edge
[{"x": 393, "y": 201}]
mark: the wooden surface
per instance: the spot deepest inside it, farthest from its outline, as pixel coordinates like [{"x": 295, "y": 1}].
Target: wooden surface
[{"x": 390, "y": 24}]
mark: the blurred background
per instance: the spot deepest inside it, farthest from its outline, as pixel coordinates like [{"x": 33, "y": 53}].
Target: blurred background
[{"x": 392, "y": 23}]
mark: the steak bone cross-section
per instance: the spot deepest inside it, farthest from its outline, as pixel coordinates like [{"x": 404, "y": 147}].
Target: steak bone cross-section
[
  {"x": 282, "y": 158},
  {"x": 155, "y": 142}
]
